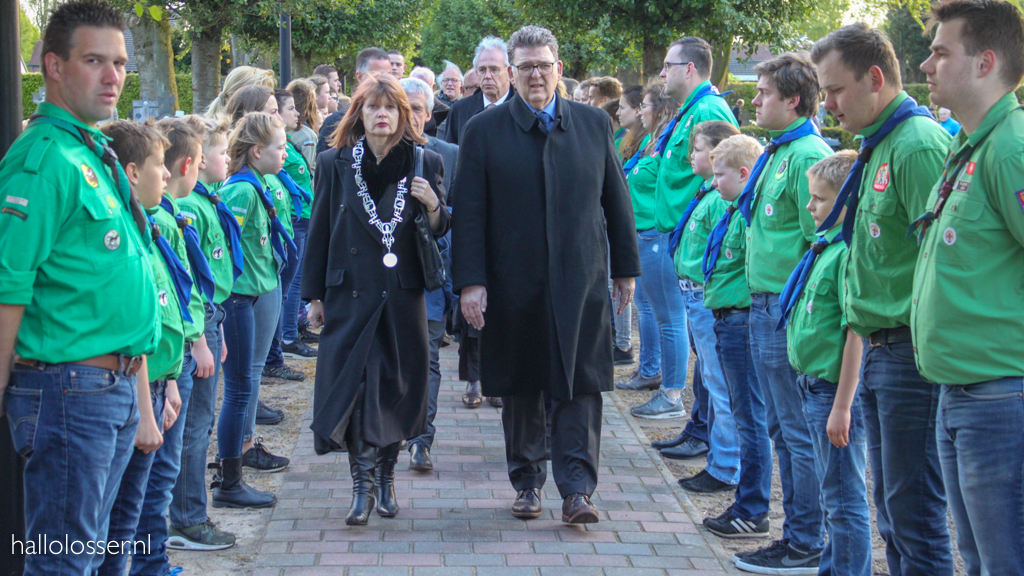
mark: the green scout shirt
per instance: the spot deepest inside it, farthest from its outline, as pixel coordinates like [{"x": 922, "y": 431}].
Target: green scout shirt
[
  {"x": 165, "y": 363},
  {"x": 282, "y": 201},
  {"x": 677, "y": 184},
  {"x": 781, "y": 227},
  {"x": 816, "y": 336},
  {"x": 70, "y": 251},
  {"x": 260, "y": 274},
  {"x": 968, "y": 321},
  {"x": 642, "y": 180},
  {"x": 202, "y": 214},
  {"x": 880, "y": 268},
  {"x": 728, "y": 286},
  {"x": 297, "y": 167},
  {"x": 169, "y": 229},
  {"x": 690, "y": 254}
]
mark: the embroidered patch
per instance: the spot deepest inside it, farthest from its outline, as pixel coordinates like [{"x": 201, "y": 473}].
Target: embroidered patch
[
  {"x": 217, "y": 253},
  {"x": 263, "y": 240},
  {"x": 111, "y": 201},
  {"x": 1020, "y": 198},
  {"x": 782, "y": 169},
  {"x": 112, "y": 240},
  {"x": 949, "y": 236},
  {"x": 962, "y": 185},
  {"x": 14, "y": 212},
  {"x": 769, "y": 210},
  {"x": 279, "y": 194},
  {"x": 90, "y": 176},
  {"x": 693, "y": 225},
  {"x": 668, "y": 154},
  {"x": 17, "y": 200},
  {"x": 874, "y": 230},
  {"x": 882, "y": 178},
  {"x": 302, "y": 169},
  {"x": 636, "y": 170},
  {"x": 970, "y": 168},
  {"x": 688, "y": 121},
  {"x": 161, "y": 297},
  {"x": 241, "y": 219},
  {"x": 728, "y": 253},
  {"x": 810, "y": 306}
]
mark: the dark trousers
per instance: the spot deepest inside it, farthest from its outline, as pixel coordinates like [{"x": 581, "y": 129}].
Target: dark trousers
[
  {"x": 575, "y": 441},
  {"x": 469, "y": 359}
]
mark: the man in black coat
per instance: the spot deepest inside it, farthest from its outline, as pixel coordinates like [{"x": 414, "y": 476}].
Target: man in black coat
[
  {"x": 491, "y": 65},
  {"x": 368, "y": 61},
  {"x": 543, "y": 203}
]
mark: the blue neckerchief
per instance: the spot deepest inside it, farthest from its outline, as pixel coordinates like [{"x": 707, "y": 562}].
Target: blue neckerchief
[
  {"x": 677, "y": 234},
  {"x": 798, "y": 279},
  {"x": 279, "y": 237},
  {"x": 180, "y": 277},
  {"x": 232, "y": 231},
  {"x": 196, "y": 259},
  {"x": 747, "y": 197},
  {"x": 297, "y": 193},
  {"x": 707, "y": 90},
  {"x": 715, "y": 244},
  {"x": 849, "y": 194}
]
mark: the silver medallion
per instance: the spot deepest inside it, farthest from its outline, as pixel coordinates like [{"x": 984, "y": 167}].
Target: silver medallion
[{"x": 390, "y": 260}]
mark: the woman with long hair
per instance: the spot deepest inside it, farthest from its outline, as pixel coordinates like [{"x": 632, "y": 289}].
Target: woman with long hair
[
  {"x": 304, "y": 93},
  {"x": 239, "y": 78},
  {"x": 322, "y": 90},
  {"x": 364, "y": 278},
  {"x": 629, "y": 118}
]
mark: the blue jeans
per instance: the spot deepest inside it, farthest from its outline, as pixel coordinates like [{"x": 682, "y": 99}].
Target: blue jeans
[
  {"x": 724, "y": 456},
  {"x": 128, "y": 505},
  {"x": 747, "y": 403},
  {"x": 76, "y": 427},
  {"x": 188, "y": 497},
  {"x": 801, "y": 501},
  {"x": 265, "y": 312},
  {"x": 239, "y": 337},
  {"x": 661, "y": 289},
  {"x": 981, "y": 447},
  {"x": 650, "y": 339},
  {"x": 841, "y": 473},
  {"x": 293, "y": 299},
  {"x": 435, "y": 331},
  {"x": 700, "y": 412},
  {"x": 162, "y": 476},
  {"x": 910, "y": 499}
]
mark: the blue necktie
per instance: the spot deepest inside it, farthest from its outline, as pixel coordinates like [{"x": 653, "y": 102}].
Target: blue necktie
[
  {"x": 546, "y": 120},
  {"x": 798, "y": 279},
  {"x": 180, "y": 277},
  {"x": 747, "y": 197},
  {"x": 849, "y": 194},
  {"x": 297, "y": 193},
  {"x": 677, "y": 234},
  {"x": 232, "y": 231},
  {"x": 279, "y": 237},
  {"x": 715, "y": 244},
  {"x": 196, "y": 259}
]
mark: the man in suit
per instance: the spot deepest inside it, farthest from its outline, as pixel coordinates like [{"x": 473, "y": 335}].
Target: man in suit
[
  {"x": 491, "y": 65},
  {"x": 368, "y": 61},
  {"x": 543, "y": 207},
  {"x": 439, "y": 110}
]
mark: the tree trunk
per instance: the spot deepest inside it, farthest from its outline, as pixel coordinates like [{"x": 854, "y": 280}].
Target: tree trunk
[
  {"x": 154, "y": 57},
  {"x": 653, "y": 58},
  {"x": 720, "y": 64},
  {"x": 302, "y": 65},
  {"x": 206, "y": 48}
]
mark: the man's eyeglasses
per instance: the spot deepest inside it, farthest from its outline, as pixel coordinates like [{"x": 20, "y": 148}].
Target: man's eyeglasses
[
  {"x": 544, "y": 68},
  {"x": 449, "y": 81},
  {"x": 669, "y": 65}
]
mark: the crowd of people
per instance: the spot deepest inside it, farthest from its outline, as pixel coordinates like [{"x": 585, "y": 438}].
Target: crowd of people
[{"x": 844, "y": 308}]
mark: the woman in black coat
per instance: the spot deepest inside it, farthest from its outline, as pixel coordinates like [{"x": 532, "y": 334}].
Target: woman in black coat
[{"x": 363, "y": 274}]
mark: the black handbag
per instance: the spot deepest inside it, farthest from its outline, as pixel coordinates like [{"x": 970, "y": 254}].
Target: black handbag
[{"x": 426, "y": 246}]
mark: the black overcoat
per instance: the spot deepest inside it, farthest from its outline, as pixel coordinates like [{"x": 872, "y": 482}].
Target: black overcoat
[
  {"x": 375, "y": 319},
  {"x": 465, "y": 109},
  {"x": 536, "y": 215}
]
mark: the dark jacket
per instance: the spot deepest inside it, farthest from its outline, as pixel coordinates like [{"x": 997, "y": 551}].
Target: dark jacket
[
  {"x": 327, "y": 128},
  {"x": 536, "y": 215},
  {"x": 439, "y": 302},
  {"x": 437, "y": 117},
  {"x": 375, "y": 324},
  {"x": 465, "y": 109}
]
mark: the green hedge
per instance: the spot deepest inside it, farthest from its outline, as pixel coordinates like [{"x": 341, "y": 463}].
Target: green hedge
[
  {"x": 846, "y": 141},
  {"x": 30, "y": 84}
]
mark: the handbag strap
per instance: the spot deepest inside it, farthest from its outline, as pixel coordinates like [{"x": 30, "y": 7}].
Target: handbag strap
[{"x": 419, "y": 161}]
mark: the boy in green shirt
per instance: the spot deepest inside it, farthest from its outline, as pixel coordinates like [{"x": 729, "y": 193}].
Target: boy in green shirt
[
  {"x": 727, "y": 295},
  {"x": 826, "y": 354}
]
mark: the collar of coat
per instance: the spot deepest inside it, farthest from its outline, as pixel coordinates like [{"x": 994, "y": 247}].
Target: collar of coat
[{"x": 526, "y": 119}]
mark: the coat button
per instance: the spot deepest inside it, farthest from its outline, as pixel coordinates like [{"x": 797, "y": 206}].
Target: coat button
[
  {"x": 384, "y": 294},
  {"x": 354, "y": 251},
  {"x": 342, "y": 207},
  {"x": 355, "y": 294}
]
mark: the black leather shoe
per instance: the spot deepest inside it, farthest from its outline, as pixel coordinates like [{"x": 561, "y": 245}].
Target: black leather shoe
[
  {"x": 419, "y": 458},
  {"x": 473, "y": 397},
  {"x": 578, "y": 509},
  {"x": 495, "y": 401},
  {"x": 705, "y": 483},
  {"x": 662, "y": 444},
  {"x": 527, "y": 504},
  {"x": 690, "y": 448},
  {"x": 267, "y": 416}
]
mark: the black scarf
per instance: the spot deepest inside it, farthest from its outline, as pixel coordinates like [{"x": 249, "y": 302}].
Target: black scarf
[{"x": 395, "y": 166}]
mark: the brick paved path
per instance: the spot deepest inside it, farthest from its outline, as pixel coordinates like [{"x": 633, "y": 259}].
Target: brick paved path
[{"x": 455, "y": 520}]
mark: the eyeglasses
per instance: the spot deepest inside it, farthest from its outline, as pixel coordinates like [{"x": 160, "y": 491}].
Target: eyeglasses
[
  {"x": 544, "y": 68},
  {"x": 493, "y": 71},
  {"x": 669, "y": 65},
  {"x": 449, "y": 81}
]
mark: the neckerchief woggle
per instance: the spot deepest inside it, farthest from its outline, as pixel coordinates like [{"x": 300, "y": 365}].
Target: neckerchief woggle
[
  {"x": 229, "y": 224},
  {"x": 180, "y": 277},
  {"x": 297, "y": 193},
  {"x": 279, "y": 237},
  {"x": 808, "y": 128},
  {"x": 849, "y": 194},
  {"x": 108, "y": 157},
  {"x": 798, "y": 279},
  {"x": 677, "y": 234},
  {"x": 715, "y": 244},
  {"x": 196, "y": 259}
]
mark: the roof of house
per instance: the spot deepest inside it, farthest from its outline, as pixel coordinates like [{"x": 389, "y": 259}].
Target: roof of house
[
  {"x": 742, "y": 61},
  {"x": 35, "y": 63}
]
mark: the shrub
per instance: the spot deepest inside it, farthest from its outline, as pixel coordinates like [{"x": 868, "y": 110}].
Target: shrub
[{"x": 30, "y": 84}]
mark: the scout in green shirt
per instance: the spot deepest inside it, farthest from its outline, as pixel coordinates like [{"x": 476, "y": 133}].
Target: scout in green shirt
[
  {"x": 295, "y": 164},
  {"x": 282, "y": 201},
  {"x": 166, "y": 362},
  {"x": 642, "y": 179}
]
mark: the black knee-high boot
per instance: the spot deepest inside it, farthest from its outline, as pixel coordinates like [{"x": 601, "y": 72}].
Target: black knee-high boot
[
  {"x": 361, "y": 460},
  {"x": 387, "y": 457}
]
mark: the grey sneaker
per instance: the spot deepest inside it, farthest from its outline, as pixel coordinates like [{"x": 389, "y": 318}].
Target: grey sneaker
[
  {"x": 204, "y": 536},
  {"x": 781, "y": 560},
  {"x": 638, "y": 382},
  {"x": 659, "y": 407}
]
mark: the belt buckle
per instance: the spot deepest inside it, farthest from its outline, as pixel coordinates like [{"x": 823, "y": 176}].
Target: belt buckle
[{"x": 130, "y": 363}]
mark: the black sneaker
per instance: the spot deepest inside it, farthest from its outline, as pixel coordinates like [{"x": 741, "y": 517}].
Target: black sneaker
[
  {"x": 620, "y": 356},
  {"x": 204, "y": 536},
  {"x": 705, "y": 483},
  {"x": 728, "y": 525},
  {"x": 770, "y": 549},
  {"x": 283, "y": 372},
  {"x": 267, "y": 416},
  {"x": 259, "y": 458},
  {"x": 446, "y": 341},
  {"x": 307, "y": 335},
  {"x": 297, "y": 349},
  {"x": 780, "y": 559}
]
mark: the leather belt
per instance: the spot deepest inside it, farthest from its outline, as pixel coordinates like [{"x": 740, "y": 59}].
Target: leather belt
[
  {"x": 720, "y": 313},
  {"x": 890, "y": 336},
  {"x": 130, "y": 365}
]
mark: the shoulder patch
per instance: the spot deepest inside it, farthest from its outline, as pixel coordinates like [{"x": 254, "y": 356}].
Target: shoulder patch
[
  {"x": 1020, "y": 198},
  {"x": 882, "y": 178}
]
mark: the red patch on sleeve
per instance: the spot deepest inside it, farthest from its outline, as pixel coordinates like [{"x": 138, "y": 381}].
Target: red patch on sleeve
[
  {"x": 1020, "y": 198},
  {"x": 970, "y": 168}
]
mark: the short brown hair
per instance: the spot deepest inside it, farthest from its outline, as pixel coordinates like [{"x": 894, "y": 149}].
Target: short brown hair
[
  {"x": 860, "y": 47},
  {"x": 213, "y": 128},
  {"x": 737, "y": 151},
  {"x": 133, "y": 142},
  {"x": 246, "y": 100},
  {"x": 607, "y": 87},
  {"x": 184, "y": 137},
  {"x": 255, "y": 129},
  {"x": 989, "y": 25},
  {"x": 696, "y": 50},
  {"x": 714, "y": 131},
  {"x": 70, "y": 16},
  {"x": 373, "y": 89},
  {"x": 532, "y": 37},
  {"x": 793, "y": 74},
  {"x": 833, "y": 169},
  {"x": 324, "y": 70}
]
